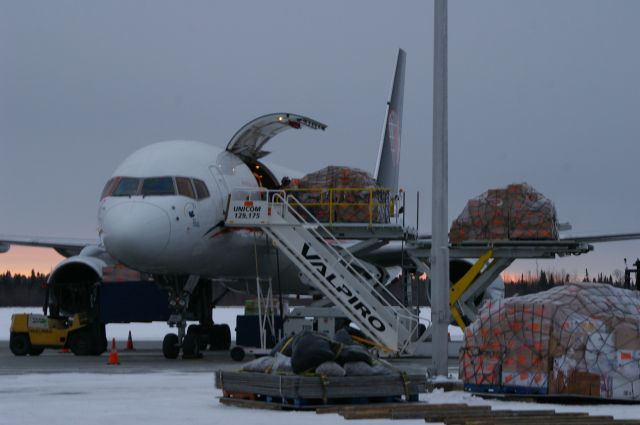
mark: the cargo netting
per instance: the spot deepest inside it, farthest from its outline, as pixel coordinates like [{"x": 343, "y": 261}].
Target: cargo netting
[
  {"x": 518, "y": 212},
  {"x": 342, "y": 194},
  {"x": 577, "y": 339}
]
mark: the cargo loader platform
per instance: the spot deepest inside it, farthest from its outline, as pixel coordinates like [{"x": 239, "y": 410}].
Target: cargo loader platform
[{"x": 343, "y": 261}]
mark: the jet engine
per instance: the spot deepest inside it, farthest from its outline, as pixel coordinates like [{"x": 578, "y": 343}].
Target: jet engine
[{"x": 72, "y": 283}]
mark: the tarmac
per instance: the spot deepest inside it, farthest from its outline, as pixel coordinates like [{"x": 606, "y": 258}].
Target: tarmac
[{"x": 147, "y": 358}]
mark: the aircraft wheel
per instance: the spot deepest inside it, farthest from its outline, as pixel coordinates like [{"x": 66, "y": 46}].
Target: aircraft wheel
[
  {"x": 198, "y": 331},
  {"x": 19, "y": 344},
  {"x": 81, "y": 343},
  {"x": 220, "y": 337},
  {"x": 190, "y": 347},
  {"x": 237, "y": 354},
  {"x": 35, "y": 351},
  {"x": 170, "y": 347}
]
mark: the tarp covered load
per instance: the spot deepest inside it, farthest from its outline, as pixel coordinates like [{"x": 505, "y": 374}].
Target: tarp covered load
[
  {"x": 314, "y": 353},
  {"x": 517, "y": 212},
  {"x": 365, "y": 202},
  {"x": 579, "y": 339}
]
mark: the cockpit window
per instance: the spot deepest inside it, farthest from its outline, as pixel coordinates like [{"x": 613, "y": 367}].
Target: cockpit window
[
  {"x": 201, "y": 189},
  {"x": 127, "y": 186},
  {"x": 108, "y": 188},
  {"x": 156, "y": 186},
  {"x": 185, "y": 188}
]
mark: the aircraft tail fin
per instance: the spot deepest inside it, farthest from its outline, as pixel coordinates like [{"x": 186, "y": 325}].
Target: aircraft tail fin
[{"x": 388, "y": 165}]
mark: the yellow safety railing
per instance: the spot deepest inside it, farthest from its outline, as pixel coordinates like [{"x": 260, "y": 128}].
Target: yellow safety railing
[{"x": 379, "y": 203}]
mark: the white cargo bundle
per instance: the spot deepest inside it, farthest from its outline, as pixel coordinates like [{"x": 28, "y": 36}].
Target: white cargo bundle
[{"x": 577, "y": 339}]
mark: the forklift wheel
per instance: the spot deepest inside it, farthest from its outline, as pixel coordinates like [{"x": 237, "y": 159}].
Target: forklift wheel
[
  {"x": 237, "y": 354},
  {"x": 19, "y": 344},
  {"x": 35, "y": 351},
  {"x": 81, "y": 343},
  {"x": 100, "y": 346}
]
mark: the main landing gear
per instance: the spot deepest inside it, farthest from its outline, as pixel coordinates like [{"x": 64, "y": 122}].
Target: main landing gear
[{"x": 196, "y": 338}]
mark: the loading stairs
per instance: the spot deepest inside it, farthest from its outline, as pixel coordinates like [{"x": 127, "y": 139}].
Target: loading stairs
[{"x": 343, "y": 279}]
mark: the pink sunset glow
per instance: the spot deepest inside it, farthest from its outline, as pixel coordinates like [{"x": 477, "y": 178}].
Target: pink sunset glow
[{"x": 22, "y": 259}]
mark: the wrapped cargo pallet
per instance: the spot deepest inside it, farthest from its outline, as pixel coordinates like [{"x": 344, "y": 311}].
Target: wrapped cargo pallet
[
  {"x": 517, "y": 212},
  {"x": 342, "y": 194},
  {"x": 577, "y": 339}
]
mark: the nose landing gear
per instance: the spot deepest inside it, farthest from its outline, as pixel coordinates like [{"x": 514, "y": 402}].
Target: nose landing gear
[
  {"x": 196, "y": 338},
  {"x": 172, "y": 343}
]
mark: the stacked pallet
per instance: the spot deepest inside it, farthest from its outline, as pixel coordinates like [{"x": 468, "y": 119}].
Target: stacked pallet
[
  {"x": 296, "y": 387},
  {"x": 576, "y": 339},
  {"x": 317, "y": 191},
  {"x": 518, "y": 212}
]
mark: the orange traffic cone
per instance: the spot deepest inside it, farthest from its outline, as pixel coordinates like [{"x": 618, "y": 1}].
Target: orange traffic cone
[
  {"x": 113, "y": 355},
  {"x": 130, "y": 343}
]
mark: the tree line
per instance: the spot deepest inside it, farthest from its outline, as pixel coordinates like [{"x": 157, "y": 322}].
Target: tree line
[
  {"x": 18, "y": 290},
  {"x": 544, "y": 280}
]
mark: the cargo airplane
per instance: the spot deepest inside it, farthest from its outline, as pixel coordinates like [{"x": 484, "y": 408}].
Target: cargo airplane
[{"x": 163, "y": 213}]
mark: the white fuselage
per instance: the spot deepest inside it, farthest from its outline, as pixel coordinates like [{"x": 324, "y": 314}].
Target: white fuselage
[{"x": 178, "y": 234}]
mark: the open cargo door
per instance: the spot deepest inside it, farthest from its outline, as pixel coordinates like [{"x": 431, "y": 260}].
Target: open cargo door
[{"x": 248, "y": 142}]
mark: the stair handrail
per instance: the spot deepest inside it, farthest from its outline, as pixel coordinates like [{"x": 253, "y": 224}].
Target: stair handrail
[{"x": 313, "y": 230}]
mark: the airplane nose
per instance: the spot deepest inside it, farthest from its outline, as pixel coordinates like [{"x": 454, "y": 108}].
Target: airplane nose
[{"x": 136, "y": 232}]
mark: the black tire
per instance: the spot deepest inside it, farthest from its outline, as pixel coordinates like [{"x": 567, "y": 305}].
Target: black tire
[
  {"x": 19, "y": 344},
  {"x": 190, "y": 347},
  {"x": 100, "y": 343},
  {"x": 170, "y": 347},
  {"x": 213, "y": 338},
  {"x": 99, "y": 346},
  {"x": 198, "y": 331},
  {"x": 220, "y": 337},
  {"x": 81, "y": 343},
  {"x": 237, "y": 354},
  {"x": 35, "y": 351}
]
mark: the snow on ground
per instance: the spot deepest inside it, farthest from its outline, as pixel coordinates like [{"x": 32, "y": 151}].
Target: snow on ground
[
  {"x": 154, "y": 331},
  {"x": 180, "y": 397},
  {"x": 170, "y": 398}
]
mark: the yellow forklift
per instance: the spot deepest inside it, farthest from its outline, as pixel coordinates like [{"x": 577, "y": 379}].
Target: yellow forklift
[
  {"x": 80, "y": 331},
  {"x": 32, "y": 333}
]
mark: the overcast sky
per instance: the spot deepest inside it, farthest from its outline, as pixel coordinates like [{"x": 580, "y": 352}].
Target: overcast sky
[{"x": 545, "y": 92}]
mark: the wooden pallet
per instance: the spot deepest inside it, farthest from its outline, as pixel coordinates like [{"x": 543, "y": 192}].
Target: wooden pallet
[
  {"x": 449, "y": 414},
  {"x": 553, "y": 398},
  {"x": 307, "y": 390},
  {"x": 462, "y": 414}
]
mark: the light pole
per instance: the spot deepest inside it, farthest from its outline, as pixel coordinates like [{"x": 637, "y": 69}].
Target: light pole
[{"x": 439, "y": 201}]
